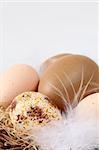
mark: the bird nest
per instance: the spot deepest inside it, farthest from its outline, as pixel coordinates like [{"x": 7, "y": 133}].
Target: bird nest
[{"x": 12, "y": 139}]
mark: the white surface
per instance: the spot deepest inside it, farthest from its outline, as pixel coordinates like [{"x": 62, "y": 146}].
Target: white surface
[
  {"x": 49, "y": 0},
  {"x": 31, "y": 32},
  {"x": 98, "y": 32}
]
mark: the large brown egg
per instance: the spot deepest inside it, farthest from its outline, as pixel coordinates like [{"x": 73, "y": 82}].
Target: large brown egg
[
  {"x": 19, "y": 78},
  {"x": 69, "y": 80},
  {"x": 50, "y": 61}
]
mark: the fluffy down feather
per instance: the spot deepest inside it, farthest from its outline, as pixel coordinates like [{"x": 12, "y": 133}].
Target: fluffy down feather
[{"x": 69, "y": 134}]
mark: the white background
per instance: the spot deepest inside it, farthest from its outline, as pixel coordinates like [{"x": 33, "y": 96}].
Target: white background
[{"x": 30, "y": 32}]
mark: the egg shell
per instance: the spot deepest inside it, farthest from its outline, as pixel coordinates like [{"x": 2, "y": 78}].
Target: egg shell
[
  {"x": 69, "y": 80},
  {"x": 32, "y": 109},
  {"x": 88, "y": 108},
  {"x": 50, "y": 61},
  {"x": 19, "y": 78}
]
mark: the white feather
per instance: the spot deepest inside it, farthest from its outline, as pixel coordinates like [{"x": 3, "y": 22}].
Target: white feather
[{"x": 69, "y": 134}]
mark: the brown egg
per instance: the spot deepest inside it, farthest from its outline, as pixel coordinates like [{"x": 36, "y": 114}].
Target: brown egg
[
  {"x": 50, "y": 61},
  {"x": 19, "y": 78},
  {"x": 69, "y": 80}
]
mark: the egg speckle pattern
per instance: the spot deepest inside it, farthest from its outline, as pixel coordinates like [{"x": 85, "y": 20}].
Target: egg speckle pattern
[{"x": 31, "y": 109}]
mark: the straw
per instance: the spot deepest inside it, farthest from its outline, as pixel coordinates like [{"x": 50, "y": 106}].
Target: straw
[{"x": 12, "y": 139}]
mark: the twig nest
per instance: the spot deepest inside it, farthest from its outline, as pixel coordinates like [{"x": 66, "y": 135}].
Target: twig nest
[{"x": 32, "y": 109}]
